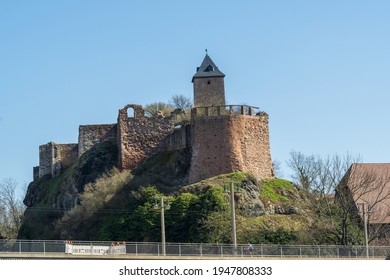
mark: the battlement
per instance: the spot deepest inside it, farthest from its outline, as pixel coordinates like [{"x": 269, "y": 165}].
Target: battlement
[
  {"x": 226, "y": 110},
  {"x": 227, "y": 139},
  {"x": 223, "y": 138}
]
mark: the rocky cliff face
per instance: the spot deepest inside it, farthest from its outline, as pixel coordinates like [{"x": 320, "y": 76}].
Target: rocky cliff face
[{"x": 47, "y": 199}]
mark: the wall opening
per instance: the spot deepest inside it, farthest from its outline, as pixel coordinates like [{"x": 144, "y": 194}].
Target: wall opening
[{"x": 130, "y": 112}]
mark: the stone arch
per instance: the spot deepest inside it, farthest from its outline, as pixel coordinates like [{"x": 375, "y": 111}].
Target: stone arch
[
  {"x": 130, "y": 112},
  {"x": 138, "y": 111}
]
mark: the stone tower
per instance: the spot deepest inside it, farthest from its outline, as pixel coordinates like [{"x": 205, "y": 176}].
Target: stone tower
[
  {"x": 225, "y": 138},
  {"x": 209, "y": 88}
]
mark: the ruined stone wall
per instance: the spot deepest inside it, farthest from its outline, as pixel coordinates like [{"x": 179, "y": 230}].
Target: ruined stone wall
[
  {"x": 35, "y": 173},
  {"x": 90, "y": 135},
  {"x": 255, "y": 145},
  {"x": 180, "y": 138},
  {"x": 55, "y": 157},
  {"x": 140, "y": 137},
  {"x": 46, "y": 155},
  {"x": 68, "y": 154},
  {"x": 224, "y": 143}
]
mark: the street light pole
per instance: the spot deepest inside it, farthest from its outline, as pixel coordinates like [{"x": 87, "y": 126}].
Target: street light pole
[
  {"x": 233, "y": 213},
  {"x": 162, "y": 226},
  {"x": 365, "y": 213},
  {"x": 365, "y": 221}
]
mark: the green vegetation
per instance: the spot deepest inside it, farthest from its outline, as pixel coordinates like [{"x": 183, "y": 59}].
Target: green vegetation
[
  {"x": 120, "y": 206},
  {"x": 275, "y": 190}
]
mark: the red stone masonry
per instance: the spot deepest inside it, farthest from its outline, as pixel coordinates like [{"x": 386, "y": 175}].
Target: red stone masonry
[
  {"x": 228, "y": 140},
  {"x": 140, "y": 137}
]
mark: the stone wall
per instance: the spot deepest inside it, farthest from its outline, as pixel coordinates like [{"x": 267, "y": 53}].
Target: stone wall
[
  {"x": 55, "y": 157},
  {"x": 228, "y": 141},
  {"x": 180, "y": 138},
  {"x": 35, "y": 173},
  {"x": 209, "y": 91},
  {"x": 255, "y": 145},
  {"x": 68, "y": 154},
  {"x": 46, "y": 159},
  {"x": 140, "y": 137},
  {"x": 90, "y": 135}
]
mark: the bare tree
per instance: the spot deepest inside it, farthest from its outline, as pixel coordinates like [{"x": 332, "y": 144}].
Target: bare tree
[
  {"x": 277, "y": 168},
  {"x": 11, "y": 209},
  {"x": 179, "y": 101},
  {"x": 365, "y": 190},
  {"x": 319, "y": 175},
  {"x": 323, "y": 177}
]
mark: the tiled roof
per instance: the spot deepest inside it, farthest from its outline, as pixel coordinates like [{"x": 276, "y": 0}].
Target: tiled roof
[
  {"x": 369, "y": 183},
  {"x": 207, "y": 69}
]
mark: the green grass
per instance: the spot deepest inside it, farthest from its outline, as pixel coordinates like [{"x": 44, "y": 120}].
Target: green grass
[{"x": 272, "y": 189}]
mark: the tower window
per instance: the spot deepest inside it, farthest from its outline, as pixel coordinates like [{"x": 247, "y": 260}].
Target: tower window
[{"x": 209, "y": 69}]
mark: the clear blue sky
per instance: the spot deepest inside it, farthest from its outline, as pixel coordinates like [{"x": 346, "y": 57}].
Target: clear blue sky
[{"x": 320, "y": 69}]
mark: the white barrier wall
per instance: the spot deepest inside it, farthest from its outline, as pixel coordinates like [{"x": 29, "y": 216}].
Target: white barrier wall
[{"x": 76, "y": 249}]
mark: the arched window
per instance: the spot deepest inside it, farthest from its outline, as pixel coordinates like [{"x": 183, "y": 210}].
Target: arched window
[{"x": 130, "y": 112}]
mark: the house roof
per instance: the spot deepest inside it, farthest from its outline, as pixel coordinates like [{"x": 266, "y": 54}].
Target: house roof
[
  {"x": 369, "y": 184},
  {"x": 207, "y": 69}
]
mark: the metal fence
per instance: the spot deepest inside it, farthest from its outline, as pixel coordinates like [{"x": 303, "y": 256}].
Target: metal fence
[{"x": 202, "y": 249}]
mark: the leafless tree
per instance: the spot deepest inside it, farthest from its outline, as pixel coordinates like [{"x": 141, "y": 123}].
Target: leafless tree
[
  {"x": 340, "y": 189},
  {"x": 365, "y": 190},
  {"x": 278, "y": 168},
  {"x": 319, "y": 175},
  {"x": 304, "y": 169},
  {"x": 11, "y": 209},
  {"x": 325, "y": 177},
  {"x": 179, "y": 101}
]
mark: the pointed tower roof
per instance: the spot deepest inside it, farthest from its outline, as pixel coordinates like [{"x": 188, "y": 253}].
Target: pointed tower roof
[{"x": 207, "y": 69}]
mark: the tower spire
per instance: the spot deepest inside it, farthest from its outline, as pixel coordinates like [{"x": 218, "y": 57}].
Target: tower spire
[{"x": 208, "y": 83}]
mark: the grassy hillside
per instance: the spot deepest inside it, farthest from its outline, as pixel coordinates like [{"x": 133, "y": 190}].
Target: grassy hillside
[{"x": 114, "y": 205}]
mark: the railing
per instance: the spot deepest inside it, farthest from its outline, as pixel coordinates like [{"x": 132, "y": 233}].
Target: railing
[
  {"x": 202, "y": 249},
  {"x": 224, "y": 110}
]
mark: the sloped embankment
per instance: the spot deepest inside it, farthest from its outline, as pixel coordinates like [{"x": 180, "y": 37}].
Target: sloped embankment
[{"x": 92, "y": 200}]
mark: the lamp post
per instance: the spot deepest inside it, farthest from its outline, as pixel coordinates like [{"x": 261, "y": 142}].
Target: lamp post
[
  {"x": 162, "y": 207},
  {"x": 365, "y": 211},
  {"x": 233, "y": 214}
]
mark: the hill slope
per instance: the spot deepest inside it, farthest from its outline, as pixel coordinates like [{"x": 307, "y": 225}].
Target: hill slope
[{"x": 92, "y": 200}]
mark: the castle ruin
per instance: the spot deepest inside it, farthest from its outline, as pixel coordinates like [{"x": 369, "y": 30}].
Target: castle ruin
[{"x": 222, "y": 138}]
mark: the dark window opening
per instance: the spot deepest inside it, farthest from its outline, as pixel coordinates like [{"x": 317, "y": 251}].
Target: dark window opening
[{"x": 209, "y": 69}]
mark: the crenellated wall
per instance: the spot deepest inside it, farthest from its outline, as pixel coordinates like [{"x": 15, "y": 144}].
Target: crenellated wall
[
  {"x": 229, "y": 139},
  {"x": 223, "y": 139}
]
